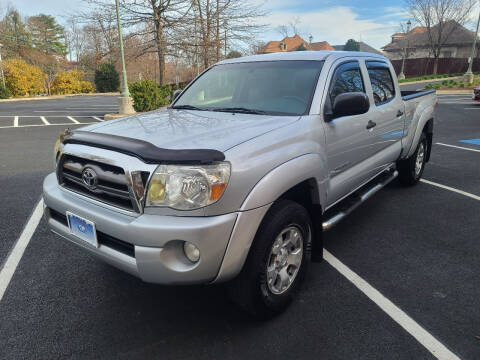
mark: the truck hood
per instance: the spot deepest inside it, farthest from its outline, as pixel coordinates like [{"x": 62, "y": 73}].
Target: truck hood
[{"x": 187, "y": 129}]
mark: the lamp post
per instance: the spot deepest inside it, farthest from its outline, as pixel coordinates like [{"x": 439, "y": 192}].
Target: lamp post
[
  {"x": 125, "y": 101},
  {"x": 1, "y": 67},
  {"x": 468, "y": 77},
  {"x": 401, "y": 76}
]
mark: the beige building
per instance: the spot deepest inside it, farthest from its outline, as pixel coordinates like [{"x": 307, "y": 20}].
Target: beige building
[{"x": 457, "y": 45}]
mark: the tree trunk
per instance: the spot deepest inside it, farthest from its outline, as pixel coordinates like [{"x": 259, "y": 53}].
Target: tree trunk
[
  {"x": 435, "y": 65},
  {"x": 160, "y": 44}
]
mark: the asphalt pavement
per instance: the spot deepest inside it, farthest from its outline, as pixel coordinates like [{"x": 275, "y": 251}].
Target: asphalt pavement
[{"x": 418, "y": 246}]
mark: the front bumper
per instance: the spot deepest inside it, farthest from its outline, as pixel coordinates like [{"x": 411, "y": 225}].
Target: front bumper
[{"x": 156, "y": 241}]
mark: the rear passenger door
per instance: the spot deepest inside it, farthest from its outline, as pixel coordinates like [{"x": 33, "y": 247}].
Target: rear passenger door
[
  {"x": 389, "y": 111},
  {"x": 348, "y": 142}
]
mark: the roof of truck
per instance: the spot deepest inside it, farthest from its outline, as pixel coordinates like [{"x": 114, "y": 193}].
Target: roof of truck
[{"x": 301, "y": 55}]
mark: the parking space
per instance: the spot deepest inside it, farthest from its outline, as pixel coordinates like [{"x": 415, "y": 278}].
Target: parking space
[{"x": 418, "y": 247}]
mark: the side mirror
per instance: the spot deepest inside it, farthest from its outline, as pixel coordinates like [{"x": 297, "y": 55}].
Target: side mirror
[
  {"x": 175, "y": 94},
  {"x": 352, "y": 103}
]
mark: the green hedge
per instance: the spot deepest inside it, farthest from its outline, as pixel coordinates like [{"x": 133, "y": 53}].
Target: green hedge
[
  {"x": 147, "y": 95},
  {"x": 107, "y": 78}
]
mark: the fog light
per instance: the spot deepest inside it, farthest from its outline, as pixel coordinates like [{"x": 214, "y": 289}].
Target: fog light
[{"x": 191, "y": 252}]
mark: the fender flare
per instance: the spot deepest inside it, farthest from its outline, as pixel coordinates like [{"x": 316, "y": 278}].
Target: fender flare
[
  {"x": 426, "y": 120},
  {"x": 284, "y": 177}
]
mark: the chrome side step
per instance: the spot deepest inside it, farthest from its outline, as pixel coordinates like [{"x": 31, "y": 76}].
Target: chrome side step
[{"x": 346, "y": 206}]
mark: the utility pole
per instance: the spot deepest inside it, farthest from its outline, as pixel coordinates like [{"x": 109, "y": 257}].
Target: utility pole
[
  {"x": 125, "y": 101},
  {"x": 1, "y": 67},
  {"x": 401, "y": 76},
  {"x": 468, "y": 77}
]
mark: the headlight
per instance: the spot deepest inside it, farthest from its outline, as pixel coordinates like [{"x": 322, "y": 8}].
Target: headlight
[{"x": 187, "y": 187}]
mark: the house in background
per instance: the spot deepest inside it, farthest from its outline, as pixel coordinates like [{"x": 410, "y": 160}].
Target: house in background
[
  {"x": 293, "y": 43},
  {"x": 458, "y": 44},
  {"x": 364, "y": 47}
]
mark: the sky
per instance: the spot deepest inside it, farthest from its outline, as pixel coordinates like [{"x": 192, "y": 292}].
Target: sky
[{"x": 335, "y": 21}]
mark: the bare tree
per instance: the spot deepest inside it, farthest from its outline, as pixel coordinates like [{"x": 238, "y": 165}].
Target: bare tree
[
  {"x": 441, "y": 18},
  {"x": 291, "y": 29},
  {"x": 219, "y": 23}
]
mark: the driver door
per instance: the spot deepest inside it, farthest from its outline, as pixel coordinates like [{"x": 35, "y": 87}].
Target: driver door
[{"x": 348, "y": 141}]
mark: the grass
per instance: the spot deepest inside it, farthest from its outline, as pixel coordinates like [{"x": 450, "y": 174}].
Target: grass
[
  {"x": 454, "y": 84},
  {"x": 432, "y": 77}
]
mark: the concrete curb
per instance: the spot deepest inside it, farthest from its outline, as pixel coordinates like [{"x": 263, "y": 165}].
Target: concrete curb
[
  {"x": 55, "y": 97},
  {"x": 452, "y": 92},
  {"x": 115, "y": 116}
]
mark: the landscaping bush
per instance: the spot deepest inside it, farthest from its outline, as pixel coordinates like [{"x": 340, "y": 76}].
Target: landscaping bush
[
  {"x": 147, "y": 95},
  {"x": 4, "y": 92},
  {"x": 107, "y": 78},
  {"x": 71, "y": 82},
  {"x": 23, "y": 79}
]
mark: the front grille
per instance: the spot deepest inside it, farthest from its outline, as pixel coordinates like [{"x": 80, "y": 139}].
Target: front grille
[
  {"x": 111, "y": 186},
  {"x": 102, "y": 238}
]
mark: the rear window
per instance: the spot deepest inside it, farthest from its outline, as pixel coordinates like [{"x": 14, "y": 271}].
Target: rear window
[{"x": 381, "y": 81}]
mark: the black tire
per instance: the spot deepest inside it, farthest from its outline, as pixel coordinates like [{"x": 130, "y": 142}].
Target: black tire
[
  {"x": 408, "y": 173},
  {"x": 250, "y": 289}
]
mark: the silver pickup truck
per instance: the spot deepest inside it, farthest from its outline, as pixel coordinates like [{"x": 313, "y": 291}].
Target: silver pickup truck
[{"x": 237, "y": 180}]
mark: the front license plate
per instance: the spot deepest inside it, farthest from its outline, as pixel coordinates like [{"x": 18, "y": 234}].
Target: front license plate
[{"x": 82, "y": 228}]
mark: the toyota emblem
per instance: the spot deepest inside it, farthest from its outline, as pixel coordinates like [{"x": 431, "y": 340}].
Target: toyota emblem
[{"x": 89, "y": 178}]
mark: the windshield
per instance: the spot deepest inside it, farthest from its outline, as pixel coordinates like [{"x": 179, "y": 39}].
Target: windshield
[{"x": 267, "y": 87}]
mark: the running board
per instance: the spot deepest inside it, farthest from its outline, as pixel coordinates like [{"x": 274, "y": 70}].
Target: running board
[{"x": 346, "y": 206}]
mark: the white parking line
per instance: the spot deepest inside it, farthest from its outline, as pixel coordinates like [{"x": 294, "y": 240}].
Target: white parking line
[
  {"x": 44, "y": 120},
  {"x": 97, "y": 118},
  {"x": 475, "y": 108},
  {"x": 37, "y": 125},
  {"x": 6, "y": 273},
  {"x": 457, "y": 147},
  {"x": 473, "y": 196},
  {"x": 439, "y": 350},
  {"x": 71, "y": 118},
  {"x": 15, "y": 121}
]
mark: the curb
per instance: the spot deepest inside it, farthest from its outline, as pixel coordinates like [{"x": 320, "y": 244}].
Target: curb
[
  {"x": 115, "y": 116},
  {"x": 452, "y": 92},
  {"x": 56, "y": 97}
]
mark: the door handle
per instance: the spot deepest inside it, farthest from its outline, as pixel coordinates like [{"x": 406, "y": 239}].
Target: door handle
[
  {"x": 399, "y": 113},
  {"x": 371, "y": 124}
]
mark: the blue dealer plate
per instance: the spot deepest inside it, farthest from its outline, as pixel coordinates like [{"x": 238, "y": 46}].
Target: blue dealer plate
[{"x": 82, "y": 228}]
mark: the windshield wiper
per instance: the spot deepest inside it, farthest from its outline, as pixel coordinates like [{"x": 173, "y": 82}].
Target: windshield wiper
[
  {"x": 240, "y": 110},
  {"x": 187, "y": 107}
]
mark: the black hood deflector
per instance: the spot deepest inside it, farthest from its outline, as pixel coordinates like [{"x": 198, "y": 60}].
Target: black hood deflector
[{"x": 143, "y": 150}]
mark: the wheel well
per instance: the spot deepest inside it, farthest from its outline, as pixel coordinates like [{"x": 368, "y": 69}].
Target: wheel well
[{"x": 306, "y": 194}]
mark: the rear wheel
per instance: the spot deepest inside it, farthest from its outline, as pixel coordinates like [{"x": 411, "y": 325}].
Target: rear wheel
[
  {"x": 411, "y": 169},
  {"x": 277, "y": 261}
]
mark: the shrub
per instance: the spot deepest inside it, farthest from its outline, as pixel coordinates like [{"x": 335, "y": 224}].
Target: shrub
[
  {"x": 462, "y": 85},
  {"x": 86, "y": 87},
  {"x": 107, "y": 78},
  {"x": 71, "y": 82},
  {"x": 23, "y": 79},
  {"x": 147, "y": 95},
  {"x": 4, "y": 92}
]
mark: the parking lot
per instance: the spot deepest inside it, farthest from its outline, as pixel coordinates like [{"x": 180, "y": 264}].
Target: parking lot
[{"x": 415, "y": 248}]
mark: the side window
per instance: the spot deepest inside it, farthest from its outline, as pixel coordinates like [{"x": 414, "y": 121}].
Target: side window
[
  {"x": 381, "y": 80},
  {"x": 347, "y": 78}
]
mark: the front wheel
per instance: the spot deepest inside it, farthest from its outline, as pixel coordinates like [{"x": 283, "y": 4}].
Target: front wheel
[
  {"x": 277, "y": 261},
  {"x": 411, "y": 169}
]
